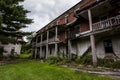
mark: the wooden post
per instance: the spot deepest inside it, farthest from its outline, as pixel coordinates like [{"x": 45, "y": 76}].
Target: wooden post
[
  {"x": 56, "y": 49},
  {"x": 36, "y": 48},
  {"x": 47, "y": 54},
  {"x": 56, "y": 38},
  {"x": 41, "y": 47},
  {"x": 92, "y": 39}
]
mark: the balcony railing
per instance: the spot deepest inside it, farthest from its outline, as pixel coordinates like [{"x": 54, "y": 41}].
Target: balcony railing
[
  {"x": 110, "y": 22},
  {"x": 51, "y": 39}
]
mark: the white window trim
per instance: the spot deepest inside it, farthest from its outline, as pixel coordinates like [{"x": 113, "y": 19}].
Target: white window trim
[{"x": 67, "y": 16}]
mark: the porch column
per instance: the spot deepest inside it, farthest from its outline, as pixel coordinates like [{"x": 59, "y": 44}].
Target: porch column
[
  {"x": 69, "y": 49},
  {"x": 41, "y": 54},
  {"x": 47, "y": 54},
  {"x": 56, "y": 39},
  {"x": 92, "y": 39},
  {"x": 36, "y": 48},
  {"x": 35, "y": 52},
  {"x": 56, "y": 33}
]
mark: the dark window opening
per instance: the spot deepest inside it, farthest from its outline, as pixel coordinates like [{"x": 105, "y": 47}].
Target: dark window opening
[
  {"x": 108, "y": 46},
  {"x": 38, "y": 39},
  {"x": 67, "y": 19},
  {"x": 38, "y": 52},
  {"x": 12, "y": 51},
  {"x": 1, "y": 51},
  {"x": 77, "y": 28},
  {"x": 50, "y": 50}
]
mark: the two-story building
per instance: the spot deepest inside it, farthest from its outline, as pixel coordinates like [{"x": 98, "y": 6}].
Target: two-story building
[{"x": 91, "y": 26}]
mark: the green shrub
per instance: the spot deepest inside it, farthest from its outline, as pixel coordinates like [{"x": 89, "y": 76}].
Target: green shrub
[
  {"x": 109, "y": 63},
  {"x": 116, "y": 64},
  {"x": 53, "y": 60},
  {"x": 87, "y": 60}
]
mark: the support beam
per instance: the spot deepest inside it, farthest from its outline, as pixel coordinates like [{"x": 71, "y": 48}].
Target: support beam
[
  {"x": 47, "y": 53},
  {"x": 92, "y": 40},
  {"x": 36, "y": 48},
  {"x": 56, "y": 33},
  {"x": 56, "y": 49},
  {"x": 69, "y": 49},
  {"x": 90, "y": 19},
  {"x": 56, "y": 39},
  {"x": 35, "y": 52},
  {"x": 41, "y": 54}
]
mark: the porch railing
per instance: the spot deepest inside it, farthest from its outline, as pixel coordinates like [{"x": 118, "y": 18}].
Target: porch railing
[
  {"x": 44, "y": 42},
  {"x": 51, "y": 39},
  {"x": 110, "y": 22}
]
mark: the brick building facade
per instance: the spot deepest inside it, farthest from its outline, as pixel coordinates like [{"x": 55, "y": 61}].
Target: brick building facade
[{"x": 91, "y": 26}]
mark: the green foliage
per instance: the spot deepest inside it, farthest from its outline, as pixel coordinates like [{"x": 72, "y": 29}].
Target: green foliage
[
  {"x": 86, "y": 60},
  {"x": 54, "y": 60},
  {"x": 12, "y": 19},
  {"x": 34, "y": 70},
  {"x": 26, "y": 48},
  {"x": 13, "y": 56},
  {"x": 109, "y": 63},
  {"x": 5, "y": 40}
]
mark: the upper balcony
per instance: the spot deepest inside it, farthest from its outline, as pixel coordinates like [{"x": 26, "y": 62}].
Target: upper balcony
[{"x": 110, "y": 22}]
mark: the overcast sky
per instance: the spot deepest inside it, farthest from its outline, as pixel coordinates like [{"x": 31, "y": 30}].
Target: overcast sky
[{"x": 44, "y": 11}]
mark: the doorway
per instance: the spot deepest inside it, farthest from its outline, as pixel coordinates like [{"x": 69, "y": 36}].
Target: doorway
[{"x": 108, "y": 46}]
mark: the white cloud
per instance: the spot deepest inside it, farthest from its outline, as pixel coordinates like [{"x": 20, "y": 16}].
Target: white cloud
[{"x": 44, "y": 11}]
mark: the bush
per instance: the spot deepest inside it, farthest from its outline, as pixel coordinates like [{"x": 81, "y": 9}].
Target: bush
[
  {"x": 110, "y": 63},
  {"x": 53, "y": 60},
  {"x": 116, "y": 64},
  {"x": 87, "y": 60}
]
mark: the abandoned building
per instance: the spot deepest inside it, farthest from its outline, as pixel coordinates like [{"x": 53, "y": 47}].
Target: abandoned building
[
  {"x": 91, "y": 26},
  {"x": 8, "y": 49}
]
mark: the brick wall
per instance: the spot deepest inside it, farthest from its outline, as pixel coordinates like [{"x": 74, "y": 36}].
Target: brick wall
[
  {"x": 62, "y": 37},
  {"x": 71, "y": 17},
  {"x": 84, "y": 26}
]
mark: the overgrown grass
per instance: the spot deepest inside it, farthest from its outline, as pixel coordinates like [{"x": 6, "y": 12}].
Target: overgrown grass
[{"x": 35, "y": 70}]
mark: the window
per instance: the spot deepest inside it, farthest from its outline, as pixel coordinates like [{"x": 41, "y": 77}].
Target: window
[
  {"x": 66, "y": 19},
  {"x": 77, "y": 28},
  {"x": 108, "y": 46},
  {"x": 1, "y": 50},
  {"x": 38, "y": 39},
  {"x": 13, "y": 51}
]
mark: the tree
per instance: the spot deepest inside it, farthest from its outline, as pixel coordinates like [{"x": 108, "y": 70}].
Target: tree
[{"x": 12, "y": 19}]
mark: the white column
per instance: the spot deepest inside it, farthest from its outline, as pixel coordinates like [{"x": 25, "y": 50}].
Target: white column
[
  {"x": 90, "y": 19},
  {"x": 92, "y": 39},
  {"x": 35, "y": 52},
  {"x": 36, "y": 48},
  {"x": 56, "y": 39},
  {"x": 56, "y": 49},
  {"x": 41, "y": 54},
  {"x": 47, "y": 54},
  {"x": 56, "y": 33}
]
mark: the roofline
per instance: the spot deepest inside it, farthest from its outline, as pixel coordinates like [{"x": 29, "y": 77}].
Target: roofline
[{"x": 59, "y": 16}]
